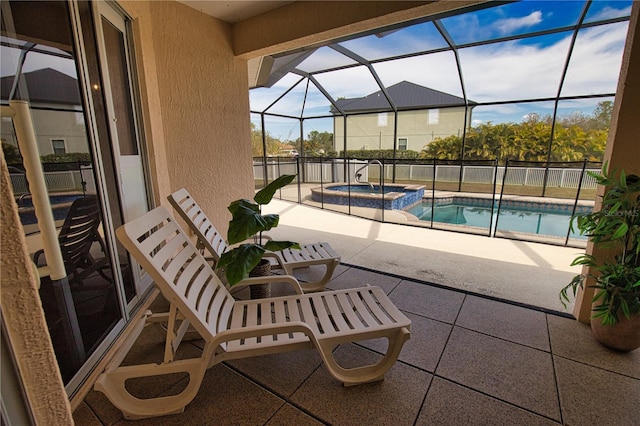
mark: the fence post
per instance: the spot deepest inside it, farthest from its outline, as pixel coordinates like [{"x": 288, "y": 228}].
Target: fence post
[
  {"x": 504, "y": 180},
  {"x": 575, "y": 203}
]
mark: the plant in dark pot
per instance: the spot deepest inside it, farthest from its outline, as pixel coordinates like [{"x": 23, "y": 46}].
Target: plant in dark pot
[
  {"x": 248, "y": 222},
  {"x": 615, "y": 276}
]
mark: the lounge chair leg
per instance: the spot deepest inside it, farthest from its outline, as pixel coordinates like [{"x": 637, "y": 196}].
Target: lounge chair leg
[
  {"x": 369, "y": 373},
  {"x": 113, "y": 384},
  {"x": 320, "y": 284}
]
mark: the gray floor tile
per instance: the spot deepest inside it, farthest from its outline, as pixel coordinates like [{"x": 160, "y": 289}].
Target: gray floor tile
[
  {"x": 509, "y": 322},
  {"x": 83, "y": 416},
  {"x": 282, "y": 373},
  {"x": 289, "y": 415},
  {"x": 225, "y": 398},
  {"x": 103, "y": 408},
  {"x": 448, "y": 403},
  {"x": 424, "y": 348},
  {"x": 572, "y": 339},
  {"x": 355, "y": 277},
  {"x": 396, "y": 400},
  {"x": 514, "y": 373},
  {"x": 428, "y": 301},
  {"x": 589, "y": 395}
]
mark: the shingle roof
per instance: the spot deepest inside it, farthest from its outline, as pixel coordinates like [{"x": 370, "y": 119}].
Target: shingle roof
[
  {"x": 46, "y": 85},
  {"x": 405, "y": 95}
]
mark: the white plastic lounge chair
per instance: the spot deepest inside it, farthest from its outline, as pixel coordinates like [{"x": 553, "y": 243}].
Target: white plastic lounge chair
[
  {"x": 237, "y": 329},
  {"x": 289, "y": 259}
]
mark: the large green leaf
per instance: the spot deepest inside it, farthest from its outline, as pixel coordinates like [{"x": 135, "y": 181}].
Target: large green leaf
[
  {"x": 265, "y": 195},
  {"x": 246, "y": 221},
  {"x": 238, "y": 262},
  {"x": 280, "y": 245}
]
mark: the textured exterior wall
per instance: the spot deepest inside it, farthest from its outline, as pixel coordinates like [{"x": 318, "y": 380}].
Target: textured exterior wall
[
  {"x": 26, "y": 326},
  {"x": 198, "y": 110},
  {"x": 622, "y": 150},
  {"x": 364, "y": 131}
]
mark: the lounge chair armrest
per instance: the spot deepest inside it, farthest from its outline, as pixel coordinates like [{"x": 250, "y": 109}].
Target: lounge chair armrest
[
  {"x": 288, "y": 279},
  {"x": 276, "y": 256},
  {"x": 265, "y": 330}
]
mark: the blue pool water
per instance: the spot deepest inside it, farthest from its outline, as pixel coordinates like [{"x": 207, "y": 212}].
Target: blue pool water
[
  {"x": 532, "y": 222},
  {"x": 59, "y": 205}
]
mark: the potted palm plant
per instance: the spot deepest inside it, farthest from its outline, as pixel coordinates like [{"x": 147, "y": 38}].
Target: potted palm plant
[
  {"x": 615, "y": 320},
  {"x": 248, "y": 222}
]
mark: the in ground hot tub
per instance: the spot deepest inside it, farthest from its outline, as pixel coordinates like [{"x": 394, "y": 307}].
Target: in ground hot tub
[{"x": 393, "y": 197}]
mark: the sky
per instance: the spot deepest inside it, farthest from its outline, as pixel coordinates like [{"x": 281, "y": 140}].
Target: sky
[{"x": 527, "y": 68}]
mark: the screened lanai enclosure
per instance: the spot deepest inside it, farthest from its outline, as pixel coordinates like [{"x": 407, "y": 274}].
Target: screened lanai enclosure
[{"x": 485, "y": 120}]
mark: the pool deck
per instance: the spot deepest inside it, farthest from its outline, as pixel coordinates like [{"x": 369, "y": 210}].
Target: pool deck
[{"x": 524, "y": 272}]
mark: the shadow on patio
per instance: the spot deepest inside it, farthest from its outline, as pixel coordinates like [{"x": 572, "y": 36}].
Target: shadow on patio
[{"x": 469, "y": 360}]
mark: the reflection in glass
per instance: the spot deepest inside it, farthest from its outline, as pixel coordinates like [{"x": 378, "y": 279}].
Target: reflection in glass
[{"x": 47, "y": 80}]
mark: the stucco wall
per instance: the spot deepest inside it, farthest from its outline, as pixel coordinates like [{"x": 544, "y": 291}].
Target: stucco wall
[
  {"x": 364, "y": 131},
  {"x": 22, "y": 312},
  {"x": 198, "y": 129}
]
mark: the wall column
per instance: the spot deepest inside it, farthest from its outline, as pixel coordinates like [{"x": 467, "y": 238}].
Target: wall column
[{"x": 623, "y": 147}]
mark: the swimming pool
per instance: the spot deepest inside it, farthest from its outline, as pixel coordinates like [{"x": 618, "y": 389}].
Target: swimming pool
[
  {"x": 59, "y": 205},
  {"x": 551, "y": 221},
  {"x": 394, "y": 196}
]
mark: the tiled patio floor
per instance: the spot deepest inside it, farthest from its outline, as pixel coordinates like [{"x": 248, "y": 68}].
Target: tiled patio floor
[{"x": 470, "y": 360}]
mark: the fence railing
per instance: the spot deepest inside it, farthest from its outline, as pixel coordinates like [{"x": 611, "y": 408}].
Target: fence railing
[
  {"x": 58, "y": 181},
  {"x": 501, "y": 189},
  {"x": 332, "y": 170}
]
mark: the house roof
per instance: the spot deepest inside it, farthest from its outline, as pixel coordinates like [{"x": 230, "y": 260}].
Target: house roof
[
  {"x": 45, "y": 86},
  {"x": 405, "y": 95}
]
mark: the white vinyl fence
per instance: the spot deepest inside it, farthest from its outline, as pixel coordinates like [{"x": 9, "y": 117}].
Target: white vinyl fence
[
  {"x": 334, "y": 172},
  {"x": 69, "y": 180}
]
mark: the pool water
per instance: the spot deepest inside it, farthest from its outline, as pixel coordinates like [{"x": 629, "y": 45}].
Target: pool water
[{"x": 532, "y": 222}]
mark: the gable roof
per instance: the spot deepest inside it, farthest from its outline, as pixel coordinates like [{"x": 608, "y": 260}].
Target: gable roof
[
  {"x": 405, "y": 95},
  {"x": 45, "y": 86}
]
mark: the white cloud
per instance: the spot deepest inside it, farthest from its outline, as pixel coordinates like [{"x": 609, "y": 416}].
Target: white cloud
[
  {"x": 510, "y": 25},
  {"x": 524, "y": 69},
  {"x": 610, "y": 13}
]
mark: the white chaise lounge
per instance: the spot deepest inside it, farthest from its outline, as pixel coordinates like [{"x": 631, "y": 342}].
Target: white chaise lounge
[
  {"x": 237, "y": 329},
  {"x": 289, "y": 259}
]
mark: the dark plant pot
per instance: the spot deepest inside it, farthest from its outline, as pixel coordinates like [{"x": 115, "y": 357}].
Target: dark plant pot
[
  {"x": 624, "y": 336},
  {"x": 261, "y": 291}
]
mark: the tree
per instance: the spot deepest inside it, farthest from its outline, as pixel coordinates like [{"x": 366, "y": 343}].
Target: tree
[
  {"x": 602, "y": 115},
  {"x": 318, "y": 143},
  {"x": 11, "y": 153}
]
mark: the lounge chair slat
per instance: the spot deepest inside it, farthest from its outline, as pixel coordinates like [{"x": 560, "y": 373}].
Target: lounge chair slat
[
  {"x": 211, "y": 240},
  {"x": 336, "y": 313},
  {"x": 321, "y": 314},
  {"x": 375, "y": 309},
  {"x": 348, "y": 309},
  {"x": 362, "y": 310}
]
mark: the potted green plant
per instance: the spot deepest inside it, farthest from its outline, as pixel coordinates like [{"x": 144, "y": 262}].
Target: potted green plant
[
  {"x": 247, "y": 223},
  {"x": 615, "y": 319}
]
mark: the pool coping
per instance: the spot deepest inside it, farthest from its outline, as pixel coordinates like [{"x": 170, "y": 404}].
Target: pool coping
[{"x": 387, "y": 196}]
